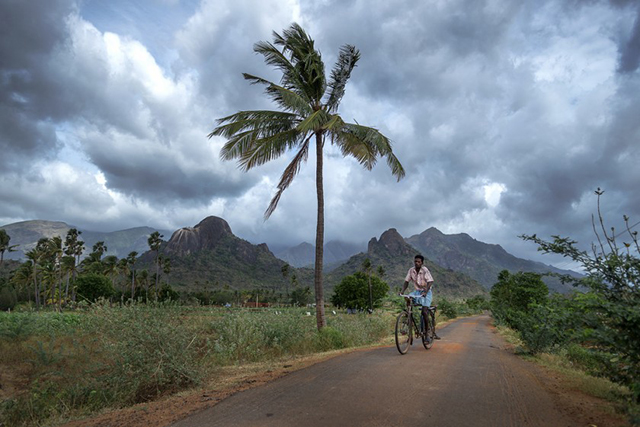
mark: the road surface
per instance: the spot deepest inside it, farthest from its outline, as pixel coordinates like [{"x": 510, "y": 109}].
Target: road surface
[{"x": 466, "y": 379}]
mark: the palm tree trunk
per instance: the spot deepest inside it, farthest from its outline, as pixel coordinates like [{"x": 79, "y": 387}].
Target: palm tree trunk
[
  {"x": 320, "y": 318},
  {"x": 66, "y": 289},
  {"x": 35, "y": 284}
]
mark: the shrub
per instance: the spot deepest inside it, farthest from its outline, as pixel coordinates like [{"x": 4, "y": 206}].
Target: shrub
[
  {"x": 353, "y": 291},
  {"x": 8, "y": 299},
  {"x": 447, "y": 309},
  {"x": 93, "y": 286},
  {"x": 301, "y": 296}
]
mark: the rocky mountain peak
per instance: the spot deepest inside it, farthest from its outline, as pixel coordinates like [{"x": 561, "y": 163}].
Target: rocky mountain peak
[
  {"x": 205, "y": 235},
  {"x": 390, "y": 241}
]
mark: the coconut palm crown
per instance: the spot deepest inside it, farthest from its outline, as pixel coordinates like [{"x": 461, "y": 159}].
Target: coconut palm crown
[{"x": 308, "y": 108}]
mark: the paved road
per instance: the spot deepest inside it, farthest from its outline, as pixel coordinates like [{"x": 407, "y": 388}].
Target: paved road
[{"x": 466, "y": 379}]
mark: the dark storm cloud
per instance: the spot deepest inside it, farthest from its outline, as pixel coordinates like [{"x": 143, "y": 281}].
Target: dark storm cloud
[
  {"x": 630, "y": 55},
  {"x": 59, "y": 71},
  {"x": 29, "y": 33},
  {"x": 218, "y": 42},
  {"x": 159, "y": 178}
]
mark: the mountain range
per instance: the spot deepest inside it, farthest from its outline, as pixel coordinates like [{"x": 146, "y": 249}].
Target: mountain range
[
  {"x": 395, "y": 256},
  {"x": 209, "y": 254},
  {"x": 120, "y": 243},
  {"x": 335, "y": 253}
]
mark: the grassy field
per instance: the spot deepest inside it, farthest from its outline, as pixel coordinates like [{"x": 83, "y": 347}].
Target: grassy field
[
  {"x": 54, "y": 366},
  {"x": 57, "y": 365}
]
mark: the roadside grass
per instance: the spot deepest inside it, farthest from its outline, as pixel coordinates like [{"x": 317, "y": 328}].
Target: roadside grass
[
  {"x": 576, "y": 376},
  {"x": 74, "y": 364}
]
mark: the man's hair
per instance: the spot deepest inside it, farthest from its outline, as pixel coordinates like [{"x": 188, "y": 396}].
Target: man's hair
[{"x": 419, "y": 257}]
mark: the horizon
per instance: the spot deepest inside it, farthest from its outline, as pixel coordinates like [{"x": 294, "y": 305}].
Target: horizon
[{"x": 278, "y": 248}]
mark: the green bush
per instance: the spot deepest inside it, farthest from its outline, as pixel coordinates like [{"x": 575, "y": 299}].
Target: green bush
[
  {"x": 8, "y": 298},
  {"x": 513, "y": 293},
  {"x": 93, "y": 286},
  {"x": 330, "y": 338},
  {"x": 301, "y": 296},
  {"x": 353, "y": 291},
  {"x": 478, "y": 303},
  {"x": 447, "y": 309}
]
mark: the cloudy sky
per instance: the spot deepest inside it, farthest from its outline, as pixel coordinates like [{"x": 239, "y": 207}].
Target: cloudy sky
[{"x": 506, "y": 115}]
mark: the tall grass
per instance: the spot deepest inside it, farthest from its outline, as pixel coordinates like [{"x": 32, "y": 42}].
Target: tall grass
[{"x": 117, "y": 356}]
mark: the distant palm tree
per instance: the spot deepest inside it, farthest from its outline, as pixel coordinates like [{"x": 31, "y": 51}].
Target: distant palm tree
[
  {"x": 131, "y": 261},
  {"x": 309, "y": 104},
  {"x": 110, "y": 268},
  {"x": 73, "y": 247},
  {"x": 4, "y": 244},
  {"x": 55, "y": 253},
  {"x": 155, "y": 241},
  {"x": 366, "y": 267},
  {"x": 36, "y": 256}
]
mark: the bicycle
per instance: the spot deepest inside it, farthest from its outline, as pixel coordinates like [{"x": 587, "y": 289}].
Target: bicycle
[{"x": 406, "y": 325}]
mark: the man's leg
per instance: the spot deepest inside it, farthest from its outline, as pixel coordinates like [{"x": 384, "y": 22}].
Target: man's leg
[
  {"x": 425, "y": 318},
  {"x": 433, "y": 319}
]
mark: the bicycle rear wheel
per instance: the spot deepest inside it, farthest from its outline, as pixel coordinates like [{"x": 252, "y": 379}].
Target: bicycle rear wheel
[
  {"x": 429, "y": 334},
  {"x": 403, "y": 332}
]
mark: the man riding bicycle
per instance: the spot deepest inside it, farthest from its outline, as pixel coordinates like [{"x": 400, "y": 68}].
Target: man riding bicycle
[{"x": 422, "y": 281}]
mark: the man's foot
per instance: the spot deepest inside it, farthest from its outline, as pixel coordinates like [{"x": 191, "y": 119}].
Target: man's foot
[{"x": 436, "y": 336}]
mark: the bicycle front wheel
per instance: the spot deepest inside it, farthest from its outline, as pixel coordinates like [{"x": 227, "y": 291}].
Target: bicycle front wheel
[
  {"x": 403, "y": 332},
  {"x": 429, "y": 332}
]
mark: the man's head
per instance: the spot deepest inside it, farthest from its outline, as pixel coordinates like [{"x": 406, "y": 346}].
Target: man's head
[{"x": 418, "y": 260}]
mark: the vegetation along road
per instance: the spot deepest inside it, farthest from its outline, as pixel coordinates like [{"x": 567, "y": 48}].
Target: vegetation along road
[{"x": 468, "y": 378}]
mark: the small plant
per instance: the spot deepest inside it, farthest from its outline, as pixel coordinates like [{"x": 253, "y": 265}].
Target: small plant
[{"x": 447, "y": 309}]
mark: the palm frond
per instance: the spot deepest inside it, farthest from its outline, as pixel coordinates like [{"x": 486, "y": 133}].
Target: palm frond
[
  {"x": 306, "y": 61},
  {"x": 244, "y": 128},
  {"x": 314, "y": 122},
  {"x": 264, "y": 150},
  {"x": 340, "y": 74},
  {"x": 256, "y": 120},
  {"x": 291, "y": 79},
  {"x": 288, "y": 175},
  {"x": 288, "y": 99},
  {"x": 366, "y": 144}
]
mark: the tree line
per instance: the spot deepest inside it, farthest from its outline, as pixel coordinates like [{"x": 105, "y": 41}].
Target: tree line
[{"x": 56, "y": 274}]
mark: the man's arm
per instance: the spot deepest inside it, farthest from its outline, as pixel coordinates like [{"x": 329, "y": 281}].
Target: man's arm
[
  {"x": 404, "y": 287},
  {"x": 428, "y": 288}
]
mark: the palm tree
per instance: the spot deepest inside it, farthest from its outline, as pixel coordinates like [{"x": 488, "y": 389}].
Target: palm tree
[
  {"x": 285, "y": 274},
  {"x": 4, "y": 244},
  {"x": 55, "y": 253},
  {"x": 73, "y": 247},
  {"x": 309, "y": 104},
  {"x": 366, "y": 267},
  {"x": 142, "y": 277},
  {"x": 155, "y": 241},
  {"x": 110, "y": 268},
  {"x": 131, "y": 261},
  {"x": 36, "y": 256}
]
